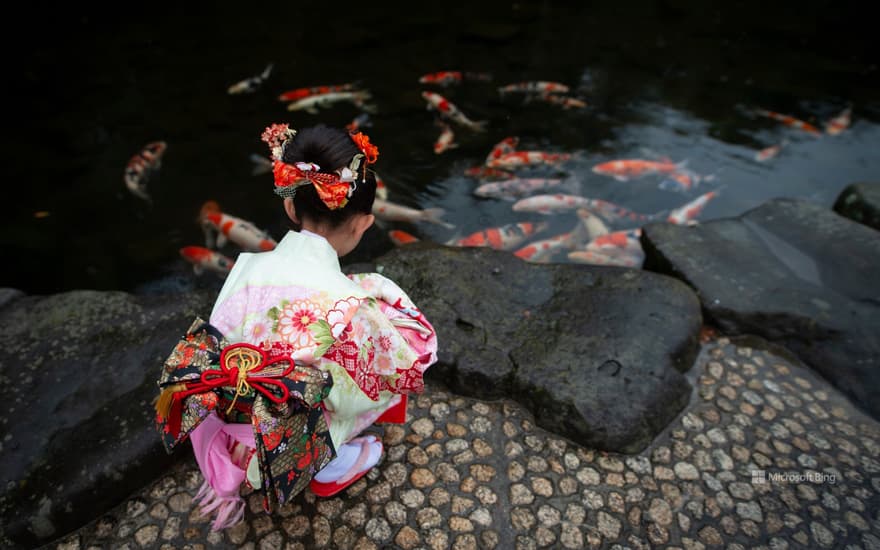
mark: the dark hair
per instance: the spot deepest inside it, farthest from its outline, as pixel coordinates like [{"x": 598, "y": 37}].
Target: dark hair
[{"x": 331, "y": 149}]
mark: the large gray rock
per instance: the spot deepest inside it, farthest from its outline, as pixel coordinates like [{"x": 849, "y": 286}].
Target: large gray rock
[
  {"x": 79, "y": 372},
  {"x": 860, "y": 202},
  {"x": 596, "y": 353},
  {"x": 793, "y": 272}
]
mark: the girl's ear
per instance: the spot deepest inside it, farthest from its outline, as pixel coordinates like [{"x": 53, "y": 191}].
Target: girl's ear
[
  {"x": 362, "y": 223},
  {"x": 291, "y": 210}
]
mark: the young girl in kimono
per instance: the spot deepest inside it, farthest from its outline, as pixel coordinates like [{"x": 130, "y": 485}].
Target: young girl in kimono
[{"x": 367, "y": 342}]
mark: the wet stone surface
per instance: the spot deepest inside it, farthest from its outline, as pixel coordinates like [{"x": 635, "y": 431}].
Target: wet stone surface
[{"x": 766, "y": 454}]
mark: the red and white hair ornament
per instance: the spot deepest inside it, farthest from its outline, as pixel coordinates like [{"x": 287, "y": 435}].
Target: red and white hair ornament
[{"x": 334, "y": 188}]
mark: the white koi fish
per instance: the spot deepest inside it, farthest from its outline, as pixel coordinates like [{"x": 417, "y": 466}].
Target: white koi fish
[
  {"x": 203, "y": 258},
  {"x": 514, "y": 188},
  {"x": 592, "y": 225},
  {"x": 503, "y": 147},
  {"x": 390, "y": 211},
  {"x": 251, "y": 84},
  {"x": 687, "y": 213},
  {"x": 310, "y": 104},
  {"x": 534, "y": 87},
  {"x": 451, "y": 112},
  {"x": 607, "y": 257},
  {"x": 229, "y": 228}
]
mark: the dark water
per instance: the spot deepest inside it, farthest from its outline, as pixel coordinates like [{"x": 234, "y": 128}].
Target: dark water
[{"x": 670, "y": 78}]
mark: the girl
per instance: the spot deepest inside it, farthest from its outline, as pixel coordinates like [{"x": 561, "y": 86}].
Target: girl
[{"x": 298, "y": 358}]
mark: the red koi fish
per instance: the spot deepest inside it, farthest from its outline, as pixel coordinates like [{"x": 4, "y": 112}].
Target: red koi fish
[
  {"x": 141, "y": 166},
  {"x": 252, "y": 84},
  {"x": 486, "y": 173},
  {"x": 203, "y": 258},
  {"x": 627, "y": 169},
  {"x": 683, "y": 180},
  {"x": 768, "y": 153},
  {"x": 445, "y": 78},
  {"x": 229, "y": 228},
  {"x": 445, "y": 140},
  {"x": 839, "y": 123},
  {"x": 400, "y": 238},
  {"x": 789, "y": 121},
  {"x": 302, "y": 93},
  {"x": 450, "y": 111},
  {"x": 390, "y": 211},
  {"x": 511, "y": 189},
  {"x": 534, "y": 87},
  {"x": 503, "y": 147},
  {"x": 311, "y": 103},
  {"x": 519, "y": 159},
  {"x": 688, "y": 213},
  {"x": 544, "y": 250},
  {"x": 505, "y": 237}
]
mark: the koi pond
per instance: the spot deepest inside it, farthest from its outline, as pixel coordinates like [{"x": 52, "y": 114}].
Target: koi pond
[{"x": 699, "y": 89}]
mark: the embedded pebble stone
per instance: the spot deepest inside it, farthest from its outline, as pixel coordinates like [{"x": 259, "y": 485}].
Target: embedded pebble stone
[
  {"x": 660, "y": 512},
  {"x": 687, "y": 471},
  {"x": 608, "y": 525}
]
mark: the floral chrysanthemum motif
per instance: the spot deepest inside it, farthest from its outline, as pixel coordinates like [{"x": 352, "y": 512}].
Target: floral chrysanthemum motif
[
  {"x": 275, "y": 136},
  {"x": 370, "y": 151},
  {"x": 294, "y": 320}
]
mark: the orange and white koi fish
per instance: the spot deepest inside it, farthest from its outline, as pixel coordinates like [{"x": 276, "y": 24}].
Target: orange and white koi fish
[
  {"x": 511, "y": 189},
  {"x": 768, "y": 153},
  {"x": 519, "y": 159},
  {"x": 485, "y": 173},
  {"x": 262, "y": 165},
  {"x": 503, "y": 147},
  {"x": 251, "y": 84},
  {"x": 683, "y": 180},
  {"x": 547, "y": 204},
  {"x": 591, "y": 225},
  {"x": 445, "y": 78},
  {"x": 302, "y": 93},
  {"x": 451, "y": 112},
  {"x": 544, "y": 250},
  {"x": 141, "y": 166},
  {"x": 399, "y": 237},
  {"x": 564, "y": 101},
  {"x": 688, "y": 213},
  {"x": 203, "y": 258},
  {"x": 789, "y": 121},
  {"x": 607, "y": 257},
  {"x": 445, "y": 140},
  {"x": 505, "y": 237},
  {"x": 229, "y": 228},
  {"x": 627, "y": 169},
  {"x": 393, "y": 212},
  {"x": 381, "y": 188},
  {"x": 358, "y": 122},
  {"x": 310, "y": 104},
  {"x": 839, "y": 123},
  {"x": 534, "y": 87}
]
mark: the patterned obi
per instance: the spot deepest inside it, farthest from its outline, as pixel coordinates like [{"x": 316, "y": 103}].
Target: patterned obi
[{"x": 243, "y": 383}]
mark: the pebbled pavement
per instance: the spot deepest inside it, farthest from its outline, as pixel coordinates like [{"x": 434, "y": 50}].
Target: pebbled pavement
[{"x": 766, "y": 455}]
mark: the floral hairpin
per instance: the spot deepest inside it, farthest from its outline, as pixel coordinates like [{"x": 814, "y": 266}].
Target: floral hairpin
[{"x": 369, "y": 153}]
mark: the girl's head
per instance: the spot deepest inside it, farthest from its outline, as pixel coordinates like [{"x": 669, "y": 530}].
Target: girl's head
[{"x": 333, "y": 150}]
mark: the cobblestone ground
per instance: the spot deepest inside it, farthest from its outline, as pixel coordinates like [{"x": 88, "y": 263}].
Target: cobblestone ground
[{"x": 767, "y": 454}]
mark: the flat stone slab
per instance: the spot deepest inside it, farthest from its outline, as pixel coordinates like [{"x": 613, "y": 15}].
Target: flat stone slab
[
  {"x": 793, "y": 272},
  {"x": 79, "y": 372},
  {"x": 596, "y": 353},
  {"x": 860, "y": 202}
]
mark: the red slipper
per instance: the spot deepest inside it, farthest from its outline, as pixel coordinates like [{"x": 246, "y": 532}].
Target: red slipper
[
  {"x": 395, "y": 414},
  {"x": 356, "y": 472}
]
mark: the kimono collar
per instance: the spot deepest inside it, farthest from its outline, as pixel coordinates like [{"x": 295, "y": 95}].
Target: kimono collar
[{"x": 310, "y": 247}]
